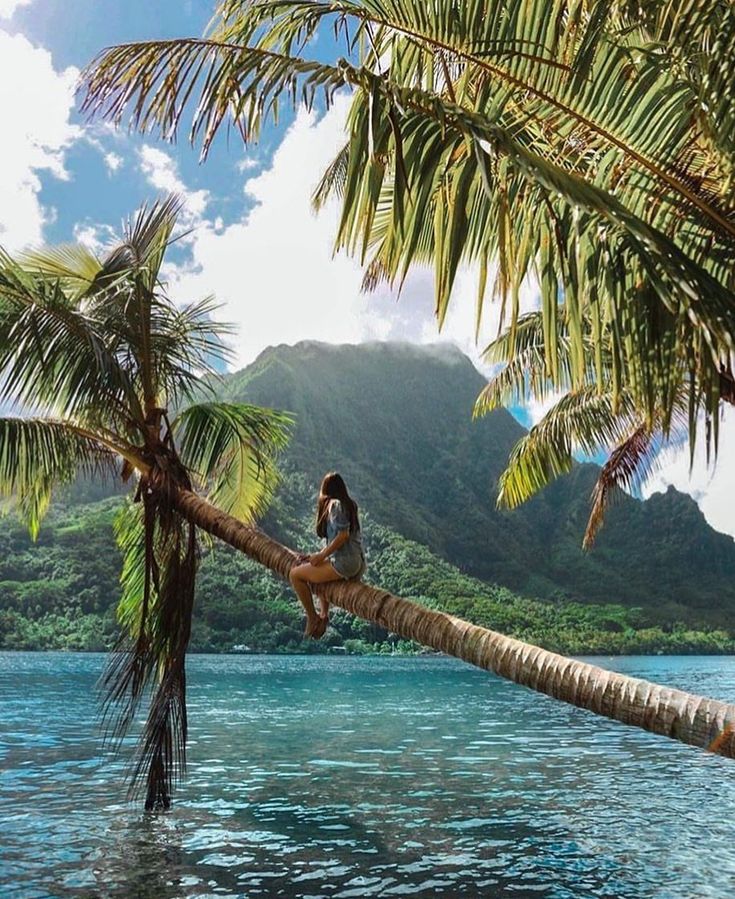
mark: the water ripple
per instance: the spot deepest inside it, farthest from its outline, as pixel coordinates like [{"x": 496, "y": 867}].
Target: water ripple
[{"x": 415, "y": 777}]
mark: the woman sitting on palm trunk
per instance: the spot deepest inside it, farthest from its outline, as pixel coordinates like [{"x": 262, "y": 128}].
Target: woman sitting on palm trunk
[{"x": 342, "y": 558}]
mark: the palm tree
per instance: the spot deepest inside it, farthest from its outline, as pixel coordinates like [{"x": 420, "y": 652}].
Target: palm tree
[
  {"x": 97, "y": 350},
  {"x": 97, "y": 354}
]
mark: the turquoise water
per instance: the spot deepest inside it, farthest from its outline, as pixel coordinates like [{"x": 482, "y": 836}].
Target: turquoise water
[{"x": 350, "y": 777}]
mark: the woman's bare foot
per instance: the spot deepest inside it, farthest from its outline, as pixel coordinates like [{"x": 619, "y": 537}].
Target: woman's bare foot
[
  {"x": 323, "y": 606},
  {"x": 321, "y": 627},
  {"x": 312, "y": 625}
]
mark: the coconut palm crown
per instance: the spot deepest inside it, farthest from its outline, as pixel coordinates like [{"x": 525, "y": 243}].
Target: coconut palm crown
[
  {"x": 117, "y": 379},
  {"x": 587, "y": 145}
]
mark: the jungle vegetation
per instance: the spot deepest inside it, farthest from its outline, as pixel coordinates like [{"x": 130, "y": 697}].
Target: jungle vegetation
[{"x": 62, "y": 593}]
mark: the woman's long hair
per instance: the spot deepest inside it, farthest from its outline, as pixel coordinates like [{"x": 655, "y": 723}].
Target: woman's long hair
[{"x": 333, "y": 487}]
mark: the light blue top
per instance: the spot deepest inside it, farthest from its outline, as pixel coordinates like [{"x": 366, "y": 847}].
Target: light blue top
[{"x": 349, "y": 559}]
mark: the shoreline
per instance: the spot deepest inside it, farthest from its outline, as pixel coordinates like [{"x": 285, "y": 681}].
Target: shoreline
[{"x": 384, "y": 655}]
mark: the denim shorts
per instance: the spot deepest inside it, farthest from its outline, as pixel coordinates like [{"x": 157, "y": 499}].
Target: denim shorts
[{"x": 349, "y": 569}]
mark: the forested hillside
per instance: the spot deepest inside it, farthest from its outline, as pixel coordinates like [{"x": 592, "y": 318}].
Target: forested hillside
[
  {"x": 396, "y": 421},
  {"x": 61, "y": 592}
]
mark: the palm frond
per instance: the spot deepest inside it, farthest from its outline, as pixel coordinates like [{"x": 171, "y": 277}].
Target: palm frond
[
  {"x": 231, "y": 447},
  {"x": 524, "y": 374},
  {"x": 55, "y": 356},
  {"x": 703, "y": 34},
  {"x": 75, "y": 325},
  {"x": 38, "y": 455},
  {"x": 586, "y": 422},
  {"x": 581, "y": 422},
  {"x": 628, "y": 465},
  {"x": 75, "y": 266},
  {"x": 159, "y": 571},
  {"x": 333, "y": 180},
  {"x": 570, "y": 65},
  {"x": 145, "y": 238},
  {"x": 156, "y": 81},
  {"x": 633, "y": 259},
  {"x": 168, "y": 349},
  {"x": 188, "y": 344}
]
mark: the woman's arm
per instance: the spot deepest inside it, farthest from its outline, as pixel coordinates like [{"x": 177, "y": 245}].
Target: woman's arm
[{"x": 339, "y": 540}]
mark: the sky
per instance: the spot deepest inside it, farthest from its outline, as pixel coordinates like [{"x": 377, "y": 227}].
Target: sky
[{"x": 254, "y": 241}]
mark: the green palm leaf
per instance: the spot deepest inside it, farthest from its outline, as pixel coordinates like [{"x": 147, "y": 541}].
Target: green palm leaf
[
  {"x": 53, "y": 355},
  {"x": 585, "y": 421},
  {"x": 524, "y": 373},
  {"x": 231, "y": 447},
  {"x": 37, "y": 455},
  {"x": 167, "y": 347},
  {"x": 75, "y": 266},
  {"x": 159, "y": 78},
  {"x": 582, "y": 421}
]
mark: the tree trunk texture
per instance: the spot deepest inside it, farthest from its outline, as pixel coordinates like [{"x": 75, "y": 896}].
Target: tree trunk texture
[{"x": 696, "y": 720}]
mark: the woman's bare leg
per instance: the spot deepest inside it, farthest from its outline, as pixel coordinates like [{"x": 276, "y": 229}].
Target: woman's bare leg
[
  {"x": 301, "y": 577},
  {"x": 303, "y": 591}
]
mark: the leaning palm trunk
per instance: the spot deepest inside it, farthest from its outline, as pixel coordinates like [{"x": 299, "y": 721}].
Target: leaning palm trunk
[{"x": 707, "y": 723}]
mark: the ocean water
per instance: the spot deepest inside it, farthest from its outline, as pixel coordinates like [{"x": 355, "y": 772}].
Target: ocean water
[{"x": 326, "y": 776}]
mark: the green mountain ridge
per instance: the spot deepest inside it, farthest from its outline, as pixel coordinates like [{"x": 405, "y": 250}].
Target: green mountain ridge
[{"x": 396, "y": 421}]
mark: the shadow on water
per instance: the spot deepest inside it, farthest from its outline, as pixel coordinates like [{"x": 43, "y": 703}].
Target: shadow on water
[
  {"x": 148, "y": 859},
  {"x": 139, "y": 858}
]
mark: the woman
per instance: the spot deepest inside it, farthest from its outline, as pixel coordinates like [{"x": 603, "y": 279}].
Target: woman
[{"x": 341, "y": 559}]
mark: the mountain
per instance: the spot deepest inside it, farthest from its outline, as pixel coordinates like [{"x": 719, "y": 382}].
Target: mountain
[{"x": 395, "y": 420}]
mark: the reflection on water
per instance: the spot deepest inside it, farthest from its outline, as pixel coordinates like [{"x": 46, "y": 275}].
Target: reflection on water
[{"x": 351, "y": 777}]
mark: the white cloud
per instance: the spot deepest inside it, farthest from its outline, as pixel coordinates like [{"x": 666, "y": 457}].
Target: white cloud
[
  {"x": 274, "y": 269},
  {"x": 536, "y": 409},
  {"x": 459, "y": 324},
  {"x": 712, "y": 487},
  {"x": 113, "y": 161},
  {"x": 96, "y": 237},
  {"x": 162, "y": 172},
  {"x": 275, "y": 272},
  {"x": 247, "y": 164},
  {"x": 8, "y": 7},
  {"x": 94, "y": 135},
  {"x": 35, "y": 103}
]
